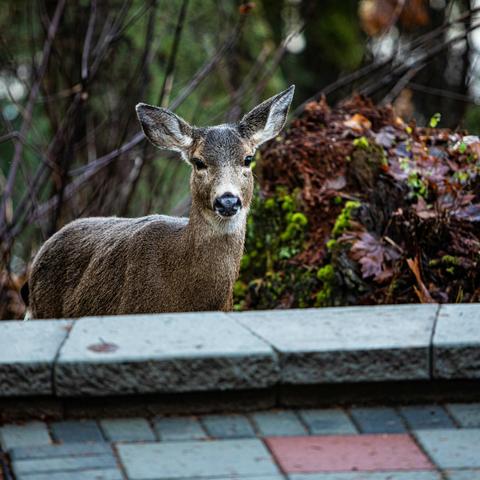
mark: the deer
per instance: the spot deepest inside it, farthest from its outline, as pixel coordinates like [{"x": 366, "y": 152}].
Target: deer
[{"x": 159, "y": 263}]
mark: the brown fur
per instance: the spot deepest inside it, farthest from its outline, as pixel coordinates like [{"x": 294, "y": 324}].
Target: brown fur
[{"x": 106, "y": 266}]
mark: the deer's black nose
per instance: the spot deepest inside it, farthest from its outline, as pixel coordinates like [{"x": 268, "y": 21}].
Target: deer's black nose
[{"x": 227, "y": 205}]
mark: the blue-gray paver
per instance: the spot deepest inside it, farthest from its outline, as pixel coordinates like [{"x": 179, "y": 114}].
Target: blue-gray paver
[
  {"x": 418, "y": 475},
  {"x": 378, "y": 420},
  {"x": 172, "y": 429},
  {"x": 426, "y": 417},
  {"x": 281, "y": 422},
  {"x": 64, "y": 464},
  {"x": 62, "y": 450},
  {"x": 76, "y": 431},
  {"x": 24, "y": 435},
  {"x": 210, "y": 459},
  {"x": 95, "y": 474},
  {"x": 462, "y": 474},
  {"x": 466, "y": 414},
  {"x": 228, "y": 426},
  {"x": 452, "y": 448},
  {"x": 127, "y": 430},
  {"x": 327, "y": 421}
]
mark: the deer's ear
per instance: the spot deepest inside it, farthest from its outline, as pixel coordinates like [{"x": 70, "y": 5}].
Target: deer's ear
[
  {"x": 163, "y": 128},
  {"x": 267, "y": 119}
]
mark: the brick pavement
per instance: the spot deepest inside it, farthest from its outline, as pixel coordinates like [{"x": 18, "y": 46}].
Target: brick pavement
[{"x": 410, "y": 442}]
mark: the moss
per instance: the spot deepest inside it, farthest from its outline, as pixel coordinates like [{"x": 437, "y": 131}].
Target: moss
[
  {"x": 331, "y": 244},
  {"x": 447, "y": 260},
  {"x": 450, "y": 260},
  {"x": 276, "y": 232},
  {"x": 343, "y": 220},
  {"x": 326, "y": 274},
  {"x": 361, "y": 142}
]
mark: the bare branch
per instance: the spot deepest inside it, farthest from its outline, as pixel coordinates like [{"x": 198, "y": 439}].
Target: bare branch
[{"x": 52, "y": 30}]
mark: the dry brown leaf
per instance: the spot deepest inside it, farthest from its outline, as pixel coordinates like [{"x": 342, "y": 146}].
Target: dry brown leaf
[
  {"x": 358, "y": 123},
  {"x": 422, "y": 292}
]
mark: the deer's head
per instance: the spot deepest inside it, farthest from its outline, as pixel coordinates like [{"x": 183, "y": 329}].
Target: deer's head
[{"x": 221, "y": 180}]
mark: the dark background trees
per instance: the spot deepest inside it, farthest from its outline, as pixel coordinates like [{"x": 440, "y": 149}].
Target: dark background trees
[{"x": 72, "y": 72}]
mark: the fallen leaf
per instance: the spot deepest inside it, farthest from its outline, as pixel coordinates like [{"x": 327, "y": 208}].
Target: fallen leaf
[
  {"x": 358, "y": 123},
  {"x": 103, "y": 347},
  {"x": 422, "y": 292}
]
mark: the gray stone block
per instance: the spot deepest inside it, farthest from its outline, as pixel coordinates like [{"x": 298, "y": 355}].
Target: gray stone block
[
  {"x": 76, "y": 431},
  {"x": 62, "y": 450},
  {"x": 327, "y": 421},
  {"x": 466, "y": 414},
  {"x": 162, "y": 353},
  {"x": 378, "y": 420},
  {"x": 451, "y": 449},
  {"x": 228, "y": 426},
  {"x": 418, "y": 475},
  {"x": 27, "y": 354},
  {"x": 103, "y": 474},
  {"x": 456, "y": 343},
  {"x": 64, "y": 464},
  {"x": 221, "y": 458},
  {"x": 353, "y": 344},
  {"x": 426, "y": 417},
  {"x": 281, "y": 422},
  {"x": 31, "y": 434},
  {"x": 179, "y": 429},
  {"x": 127, "y": 430},
  {"x": 462, "y": 474}
]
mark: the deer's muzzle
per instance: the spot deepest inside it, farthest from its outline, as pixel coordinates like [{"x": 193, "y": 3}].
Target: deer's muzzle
[{"x": 227, "y": 205}]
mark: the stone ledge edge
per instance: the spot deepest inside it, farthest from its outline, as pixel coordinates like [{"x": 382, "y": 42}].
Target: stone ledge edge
[{"x": 437, "y": 353}]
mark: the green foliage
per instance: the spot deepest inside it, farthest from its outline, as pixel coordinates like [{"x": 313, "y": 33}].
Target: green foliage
[
  {"x": 361, "y": 142},
  {"x": 326, "y": 275},
  {"x": 276, "y": 231},
  {"x": 435, "y": 120},
  {"x": 343, "y": 220},
  {"x": 270, "y": 275}
]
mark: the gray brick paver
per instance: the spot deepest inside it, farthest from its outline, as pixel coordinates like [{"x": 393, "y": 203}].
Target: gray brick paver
[
  {"x": 205, "y": 459},
  {"x": 327, "y": 421},
  {"x": 462, "y": 474},
  {"x": 62, "y": 450},
  {"x": 426, "y": 417},
  {"x": 127, "y": 430},
  {"x": 419, "y": 475},
  {"x": 64, "y": 464},
  {"x": 24, "y": 435},
  {"x": 283, "y": 422},
  {"x": 95, "y": 474},
  {"x": 452, "y": 448},
  {"x": 378, "y": 420},
  {"x": 466, "y": 414},
  {"x": 172, "y": 429},
  {"x": 76, "y": 431},
  {"x": 228, "y": 426}
]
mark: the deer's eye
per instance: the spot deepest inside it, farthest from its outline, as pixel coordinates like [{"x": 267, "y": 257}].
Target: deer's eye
[
  {"x": 248, "y": 160},
  {"x": 199, "y": 164}
]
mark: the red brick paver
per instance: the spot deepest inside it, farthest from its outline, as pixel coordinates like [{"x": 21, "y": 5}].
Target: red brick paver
[{"x": 347, "y": 453}]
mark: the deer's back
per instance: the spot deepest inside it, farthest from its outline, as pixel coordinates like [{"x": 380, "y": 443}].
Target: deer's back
[{"x": 94, "y": 266}]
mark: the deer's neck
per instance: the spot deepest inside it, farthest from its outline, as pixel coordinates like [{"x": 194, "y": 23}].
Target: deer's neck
[
  {"x": 218, "y": 241},
  {"x": 214, "y": 254}
]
